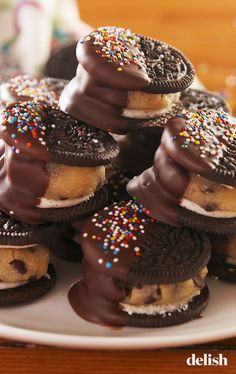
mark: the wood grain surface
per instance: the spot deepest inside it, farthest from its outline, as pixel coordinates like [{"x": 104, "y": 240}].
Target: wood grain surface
[{"x": 206, "y": 32}]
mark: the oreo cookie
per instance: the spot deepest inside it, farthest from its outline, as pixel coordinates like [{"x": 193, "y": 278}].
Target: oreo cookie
[
  {"x": 62, "y": 63},
  {"x": 18, "y": 234},
  {"x": 193, "y": 99},
  {"x": 26, "y": 87},
  {"x": 48, "y": 134},
  {"x": 29, "y": 291},
  {"x": 147, "y": 125},
  {"x": 140, "y": 272},
  {"x": 77, "y": 212},
  {"x": 52, "y": 164},
  {"x": 137, "y": 62},
  {"x": 205, "y": 223}
]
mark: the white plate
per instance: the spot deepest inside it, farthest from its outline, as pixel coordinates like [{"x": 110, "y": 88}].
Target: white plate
[{"x": 51, "y": 321}]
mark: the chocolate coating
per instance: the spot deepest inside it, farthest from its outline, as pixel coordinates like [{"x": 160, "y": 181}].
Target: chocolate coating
[
  {"x": 197, "y": 99},
  {"x": 133, "y": 249},
  {"x": 25, "y": 88},
  {"x": 203, "y": 142},
  {"x": 34, "y": 134},
  {"x": 133, "y": 62}
]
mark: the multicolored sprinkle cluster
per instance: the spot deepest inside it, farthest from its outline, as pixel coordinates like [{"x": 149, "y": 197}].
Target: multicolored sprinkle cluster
[
  {"x": 42, "y": 90},
  {"x": 26, "y": 117},
  {"x": 119, "y": 228},
  {"x": 118, "y": 45},
  {"x": 207, "y": 129}
]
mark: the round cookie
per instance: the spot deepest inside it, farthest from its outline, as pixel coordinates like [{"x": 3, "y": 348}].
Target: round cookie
[
  {"x": 126, "y": 82},
  {"x": 25, "y": 272},
  {"x": 193, "y": 99},
  {"x": 53, "y": 164},
  {"x": 193, "y": 177},
  {"x": 62, "y": 63},
  {"x": 139, "y": 272},
  {"x": 222, "y": 264},
  {"x": 29, "y": 291},
  {"x": 26, "y": 87}
]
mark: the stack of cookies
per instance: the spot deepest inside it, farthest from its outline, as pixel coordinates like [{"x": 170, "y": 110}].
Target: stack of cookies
[
  {"x": 52, "y": 173},
  {"x": 145, "y": 259}
]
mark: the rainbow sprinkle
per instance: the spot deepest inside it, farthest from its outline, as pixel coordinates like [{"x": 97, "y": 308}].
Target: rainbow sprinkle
[
  {"x": 26, "y": 117},
  {"x": 207, "y": 129},
  {"x": 120, "y": 228},
  {"x": 118, "y": 45}
]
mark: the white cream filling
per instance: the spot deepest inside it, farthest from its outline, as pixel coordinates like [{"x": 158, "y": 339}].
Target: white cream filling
[
  {"x": 18, "y": 246},
  {"x": 5, "y": 286},
  {"x": 144, "y": 113},
  {"x": 50, "y": 203},
  {"x": 153, "y": 309},
  {"x": 168, "y": 99},
  {"x": 190, "y": 205}
]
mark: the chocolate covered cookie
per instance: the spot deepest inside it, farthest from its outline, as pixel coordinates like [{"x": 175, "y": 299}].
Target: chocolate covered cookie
[
  {"x": 52, "y": 166},
  {"x": 25, "y": 271},
  {"x": 192, "y": 181},
  {"x": 139, "y": 272},
  {"x": 132, "y": 82},
  {"x": 197, "y": 99},
  {"x": 25, "y": 88}
]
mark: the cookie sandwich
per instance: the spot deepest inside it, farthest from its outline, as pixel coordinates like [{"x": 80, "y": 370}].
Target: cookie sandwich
[
  {"x": 52, "y": 166},
  {"x": 192, "y": 181},
  {"x": 25, "y": 269},
  {"x": 132, "y": 80},
  {"x": 26, "y": 88},
  {"x": 139, "y": 272}
]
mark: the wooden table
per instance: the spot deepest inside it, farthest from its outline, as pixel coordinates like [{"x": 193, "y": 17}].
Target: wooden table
[{"x": 23, "y": 359}]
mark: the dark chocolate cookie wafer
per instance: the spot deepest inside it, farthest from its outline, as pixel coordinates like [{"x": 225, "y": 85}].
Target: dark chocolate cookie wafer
[
  {"x": 77, "y": 212},
  {"x": 138, "y": 271},
  {"x": 205, "y": 223},
  {"x": 62, "y": 63},
  {"x": 136, "y": 62},
  {"x": 149, "y": 124},
  {"x": 48, "y": 134},
  {"x": 15, "y": 233},
  {"x": 195, "y": 307},
  {"x": 29, "y": 291},
  {"x": 197, "y": 99}
]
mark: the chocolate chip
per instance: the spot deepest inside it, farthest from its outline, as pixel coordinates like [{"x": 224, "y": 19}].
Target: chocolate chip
[
  {"x": 208, "y": 189},
  {"x": 19, "y": 266},
  {"x": 210, "y": 207},
  {"x": 154, "y": 296}
]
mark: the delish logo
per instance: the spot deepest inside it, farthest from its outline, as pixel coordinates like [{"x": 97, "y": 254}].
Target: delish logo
[{"x": 207, "y": 360}]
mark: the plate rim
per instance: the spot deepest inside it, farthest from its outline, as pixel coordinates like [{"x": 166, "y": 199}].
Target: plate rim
[{"x": 29, "y": 336}]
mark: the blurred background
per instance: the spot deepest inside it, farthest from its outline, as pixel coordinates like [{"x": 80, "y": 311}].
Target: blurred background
[{"x": 204, "y": 30}]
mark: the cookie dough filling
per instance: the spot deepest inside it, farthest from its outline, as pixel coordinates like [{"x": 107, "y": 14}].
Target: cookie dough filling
[
  {"x": 148, "y": 105},
  {"x": 70, "y": 185},
  {"x": 209, "y": 198},
  {"x": 160, "y": 299},
  {"x": 19, "y": 266}
]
